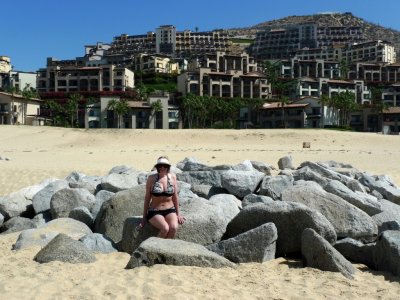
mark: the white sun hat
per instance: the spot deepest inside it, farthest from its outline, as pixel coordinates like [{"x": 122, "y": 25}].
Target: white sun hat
[{"x": 162, "y": 161}]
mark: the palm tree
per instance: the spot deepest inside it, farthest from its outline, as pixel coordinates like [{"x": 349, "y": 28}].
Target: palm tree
[
  {"x": 73, "y": 108},
  {"x": 155, "y": 108},
  {"x": 324, "y": 100},
  {"x": 378, "y": 105},
  {"x": 120, "y": 108},
  {"x": 283, "y": 101}
]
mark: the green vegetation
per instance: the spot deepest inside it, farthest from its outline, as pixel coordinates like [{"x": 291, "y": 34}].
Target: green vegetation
[
  {"x": 242, "y": 41},
  {"x": 214, "y": 112},
  {"x": 151, "y": 82}
]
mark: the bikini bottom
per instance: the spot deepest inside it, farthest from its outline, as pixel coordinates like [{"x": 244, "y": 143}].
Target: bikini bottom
[{"x": 151, "y": 212}]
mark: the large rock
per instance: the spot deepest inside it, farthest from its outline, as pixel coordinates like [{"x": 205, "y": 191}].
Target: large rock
[
  {"x": 41, "y": 200},
  {"x": 289, "y": 218},
  {"x": 262, "y": 167},
  {"x": 113, "y": 213},
  {"x": 251, "y": 199},
  {"x": 229, "y": 205},
  {"x": 273, "y": 186},
  {"x": 42, "y": 235},
  {"x": 116, "y": 182},
  {"x": 286, "y": 162},
  {"x": 241, "y": 183},
  {"x": 97, "y": 242},
  {"x": 212, "y": 177},
  {"x": 318, "y": 253},
  {"x": 383, "y": 185},
  {"x": 16, "y": 224},
  {"x": 326, "y": 172},
  {"x": 80, "y": 180},
  {"x": 15, "y": 204},
  {"x": 63, "y": 248},
  {"x": 205, "y": 224},
  {"x": 365, "y": 202},
  {"x": 255, "y": 245},
  {"x": 65, "y": 200},
  {"x": 356, "y": 251},
  {"x": 348, "y": 220},
  {"x": 1, "y": 219},
  {"x": 81, "y": 214},
  {"x": 175, "y": 252},
  {"x": 305, "y": 173},
  {"x": 101, "y": 197},
  {"x": 387, "y": 252},
  {"x": 390, "y": 213},
  {"x": 207, "y": 191}
]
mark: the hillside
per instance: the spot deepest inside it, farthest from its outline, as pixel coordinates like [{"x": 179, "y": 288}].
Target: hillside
[{"x": 371, "y": 31}]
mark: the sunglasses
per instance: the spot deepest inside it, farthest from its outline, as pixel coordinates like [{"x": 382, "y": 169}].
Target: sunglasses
[{"x": 163, "y": 166}]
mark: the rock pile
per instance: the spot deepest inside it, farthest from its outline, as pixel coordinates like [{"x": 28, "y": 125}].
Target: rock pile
[{"x": 328, "y": 212}]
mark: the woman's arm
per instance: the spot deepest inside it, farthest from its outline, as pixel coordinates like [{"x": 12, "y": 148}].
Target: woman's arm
[
  {"x": 147, "y": 199},
  {"x": 175, "y": 200}
]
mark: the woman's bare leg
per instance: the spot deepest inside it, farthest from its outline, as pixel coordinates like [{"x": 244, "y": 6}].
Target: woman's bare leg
[
  {"x": 161, "y": 224},
  {"x": 172, "y": 221}
]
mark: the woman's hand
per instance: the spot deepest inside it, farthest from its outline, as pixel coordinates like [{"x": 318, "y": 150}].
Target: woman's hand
[
  {"x": 181, "y": 219},
  {"x": 142, "y": 223}
]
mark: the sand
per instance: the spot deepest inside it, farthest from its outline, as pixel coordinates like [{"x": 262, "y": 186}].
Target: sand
[{"x": 38, "y": 153}]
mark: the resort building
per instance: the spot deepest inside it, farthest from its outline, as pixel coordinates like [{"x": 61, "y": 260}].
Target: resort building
[
  {"x": 225, "y": 75},
  {"x": 70, "y": 78},
  {"x": 285, "y": 42},
  {"x": 370, "y": 52},
  {"x": 274, "y": 115},
  {"x": 167, "y": 40},
  {"x": 15, "y": 109},
  {"x": 140, "y": 115},
  {"x": 155, "y": 63}
]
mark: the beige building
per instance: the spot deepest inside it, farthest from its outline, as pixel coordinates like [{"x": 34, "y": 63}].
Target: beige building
[
  {"x": 55, "y": 78},
  {"x": 15, "y": 109},
  {"x": 140, "y": 114},
  {"x": 155, "y": 64},
  {"x": 224, "y": 75}
]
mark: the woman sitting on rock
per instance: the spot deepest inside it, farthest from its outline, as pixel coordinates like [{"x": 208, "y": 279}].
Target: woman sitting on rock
[{"x": 161, "y": 205}]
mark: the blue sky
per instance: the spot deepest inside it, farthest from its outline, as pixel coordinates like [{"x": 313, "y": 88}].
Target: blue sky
[{"x": 32, "y": 30}]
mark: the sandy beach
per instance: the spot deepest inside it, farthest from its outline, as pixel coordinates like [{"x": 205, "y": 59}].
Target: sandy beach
[{"x": 37, "y": 153}]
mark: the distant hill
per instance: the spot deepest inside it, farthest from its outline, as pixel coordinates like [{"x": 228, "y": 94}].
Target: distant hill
[{"x": 371, "y": 31}]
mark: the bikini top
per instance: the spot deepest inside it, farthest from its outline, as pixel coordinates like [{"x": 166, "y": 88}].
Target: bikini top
[{"x": 158, "y": 189}]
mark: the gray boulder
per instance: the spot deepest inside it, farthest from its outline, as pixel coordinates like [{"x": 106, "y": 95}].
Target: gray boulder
[
  {"x": 175, "y": 252},
  {"x": 390, "y": 213},
  {"x": 207, "y": 191},
  {"x": 16, "y": 224},
  {"x": 229, "y": 205},
  {"x": 1, "y": 219},
  {"x": 289, "y": 218},
  {"x": 273, "y": 186},
  {"x": 384, "y": 185},
  {"x": 326, "y": 172},
  {"x": 387, "y": 252},
  {"x": 63, "y": 248},
  {"x": 41, "y": 200},
  {"x": 97, "y": 242},
  {"x": 115, "y": 182},
  {"x": 356, "y": 251},
  {"x": 286, "y": 162},
  {"x": 348, "y": 220},
  {"x": 15, "y": 204},
  {"x": 205, "y": 224},
  {"x": 112, "y": 215},
  {"x": 212, "y": 177},
  {"x": 82, "y": 214},
  {"x": 65, "y": 200},
  {"x": 255, "y": 245},
  {"x": 262, "y": 167},
  {"x": 318, "y": 253},
  {"x": 122, "y": 169},
  {"x": 42, "y": 235},
  {"x": 365, "y": 202},
  {"x": 241, "y": 183},
  {"x": 101, "y": 197},
  {"x": 251, "y": 199},
  {"x": 306, "y": 174}
]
